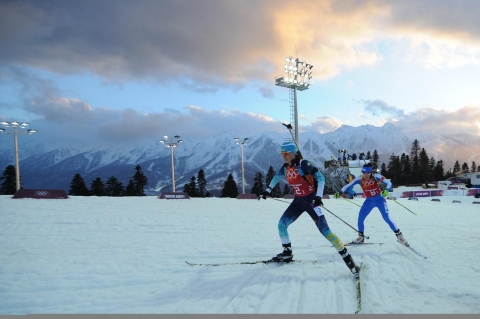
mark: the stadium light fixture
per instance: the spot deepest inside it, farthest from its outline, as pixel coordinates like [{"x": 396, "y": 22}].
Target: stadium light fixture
[
  {"x": 172, "y": 143},
  {"x": 242, "y": 143},
  {"x": 296, "y": 76},
  {"x": 15, "y": 126}
]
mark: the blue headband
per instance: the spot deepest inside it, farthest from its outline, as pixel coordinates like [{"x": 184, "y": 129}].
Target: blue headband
[{"x": 366, "y": 169}]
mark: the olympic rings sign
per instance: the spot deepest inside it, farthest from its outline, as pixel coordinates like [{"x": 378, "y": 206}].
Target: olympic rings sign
[{"x": 42, "y": 193}]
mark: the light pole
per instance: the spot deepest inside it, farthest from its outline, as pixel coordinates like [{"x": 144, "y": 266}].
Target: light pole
[
  {"x": 15, "y": 125},
  {"x": 296, "y": 76},
  {"x": 172, "y": 143},
  {"x": 241, "y": 143}
]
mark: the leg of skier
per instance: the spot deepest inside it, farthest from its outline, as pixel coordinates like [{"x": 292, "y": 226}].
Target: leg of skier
[
  {"x": 289, "y": 216},
  {"x": 382, "y": 206},
  {"x": 362, "y": 215},
  {"x": 317, "y": 215}
]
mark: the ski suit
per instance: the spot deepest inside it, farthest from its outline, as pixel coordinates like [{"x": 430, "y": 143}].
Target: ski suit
[
  {"x": 306, "y": 182},
  {"x": 373, "y": 198}
]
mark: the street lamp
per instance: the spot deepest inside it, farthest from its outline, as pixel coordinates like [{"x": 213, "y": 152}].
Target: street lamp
[
  {"x": 241, "y": 143},
  {"x": 172, "y": 143},
  {"x": 297, "y": 75},
  {"x": 16, "y": 125}
]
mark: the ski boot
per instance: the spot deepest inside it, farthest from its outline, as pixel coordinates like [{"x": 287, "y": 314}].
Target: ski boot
[
  {"x": 347, "y": 258},
  {"x": 400, "y": 238},
  {"x": 360, "y": 239},
  {"x": 286, "y": 256}
]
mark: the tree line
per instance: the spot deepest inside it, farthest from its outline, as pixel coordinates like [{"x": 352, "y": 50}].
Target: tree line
[
  {"x": 196, "y": 186},
  {"x": 417, "y": 167},
  {"x": 406, "y": 169},
  {"x": 113, "y": 187}
]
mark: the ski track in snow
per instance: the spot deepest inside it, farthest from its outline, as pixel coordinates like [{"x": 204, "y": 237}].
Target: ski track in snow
[{"x": 126, "y": 255}]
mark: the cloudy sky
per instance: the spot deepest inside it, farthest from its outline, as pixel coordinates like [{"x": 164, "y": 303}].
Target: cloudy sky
[{"x": 124, "y": 69}]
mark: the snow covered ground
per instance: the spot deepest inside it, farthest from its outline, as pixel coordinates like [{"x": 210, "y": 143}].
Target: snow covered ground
[{"x": 103, "y": 255}]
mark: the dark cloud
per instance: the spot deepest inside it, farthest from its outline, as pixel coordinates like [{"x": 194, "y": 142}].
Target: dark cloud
[
  {"x": 215, "y": 42},
  {"x": 209, "y": 44},
  {"x": 379, "y": 107}
]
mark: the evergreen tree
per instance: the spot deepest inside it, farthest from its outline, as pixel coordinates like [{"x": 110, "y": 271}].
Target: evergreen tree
[
  {"x": 406, "y": 168},
  {"x": 186, "y": 188},
  {"x": 456, "y": 167},
  {"x": 230, "y": 188},
  {"x": 394, "y": 169},
  {"x": 383, "y": 169},
  {"x": 131, "y": 190},
  {"x": 139, "y": 181},
  {"x": 9, "y": 184},
  {"x": 424, "y": 166},
  {"x": 431, "y": 169},
  {"x": 114, "y": 188},
  {"x": 97, "y": 188},
  {"x": 202, "y": 183},
  {"x": 465, "y": 167},
  {"x": 415, "y": 162},
  {"x": 78, "y": 187},
  {"x": 287, "y": 190},
  {"x": 473, "y": 169},
  {"x": 375, "y": 159},
  {"x": 258, "y": 186},
  {"x": 191, "y": 188},
  {"x": 369, "y": 156},
  {"x": 276, "y": 192},
  {"x": 207, "y": 194},
  {"x": 439, "y": 171},
  {"x": 449, "y": 174}
]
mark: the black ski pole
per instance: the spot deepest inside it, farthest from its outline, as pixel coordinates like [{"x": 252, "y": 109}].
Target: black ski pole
[
  {"x": 351, "y": 202},
  {"x": 289, "y": 127},
  {"x": 405, "y": 207},
  {"x": 343, "y": 221}
]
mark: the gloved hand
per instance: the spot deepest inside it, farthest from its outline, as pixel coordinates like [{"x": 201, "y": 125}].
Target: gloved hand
[
  {"x": 385, "y": 193},
  {"x": 317, "y": 201},
  {"x": 337, "y": 195},
  {"x": 265, "y": 194}
]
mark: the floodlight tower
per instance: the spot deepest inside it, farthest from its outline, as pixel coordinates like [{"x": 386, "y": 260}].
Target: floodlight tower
[
  {"x": 242, "y": 143},
  {"x": 15, "y": 126},
  {"x": 172, "y": 143},
  {"x": 297, "y": 75}
]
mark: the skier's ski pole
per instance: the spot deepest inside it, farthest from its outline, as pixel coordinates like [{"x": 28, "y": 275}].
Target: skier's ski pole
[
  {"x": 327, "y": 211},
  {"x": 351, "y": 201},
  {"x": 289, "y": 126},
  {"x": 343, "y": 221},
  {"x": 405, "y": 207}
]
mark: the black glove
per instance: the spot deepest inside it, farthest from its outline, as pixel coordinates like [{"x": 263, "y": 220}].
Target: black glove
[
  {"x": 264, "y": 195},
  {"x": 317, "y": 201}
]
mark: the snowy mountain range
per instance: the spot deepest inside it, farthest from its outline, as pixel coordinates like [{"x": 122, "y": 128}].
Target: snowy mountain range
[{"x": 53, "y": 166}]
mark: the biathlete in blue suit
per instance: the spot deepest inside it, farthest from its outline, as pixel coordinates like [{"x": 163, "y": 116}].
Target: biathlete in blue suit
[
  {"x": 307, "y": 183},
  {"x": 374, "y": 197}
]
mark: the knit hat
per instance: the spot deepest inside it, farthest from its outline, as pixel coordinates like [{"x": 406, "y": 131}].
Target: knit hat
[
  {"x": 288, "y": 147},
  {"x": 367, "y": 168}
]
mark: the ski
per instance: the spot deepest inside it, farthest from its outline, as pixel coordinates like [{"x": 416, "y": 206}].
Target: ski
[
  {"x": 355, "y": 244},
  {"x": 270, "y": 261},
  {"x": 360, "y": 244},
  {"x": 358, "y": 288},
  {"x": 414, "y": 250}
]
